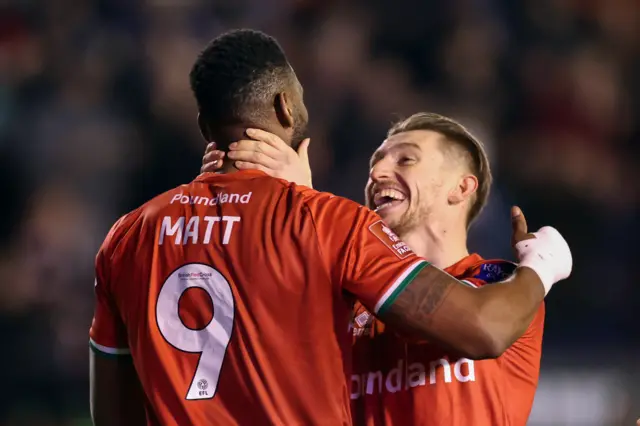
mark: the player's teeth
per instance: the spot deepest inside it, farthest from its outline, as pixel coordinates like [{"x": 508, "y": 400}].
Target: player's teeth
[{"x": 391, "y": 193}]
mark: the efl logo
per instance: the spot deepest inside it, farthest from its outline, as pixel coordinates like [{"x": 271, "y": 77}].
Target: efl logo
[
  {"x": 390, "y": 239},
  {"x": 363, "y": 319}
]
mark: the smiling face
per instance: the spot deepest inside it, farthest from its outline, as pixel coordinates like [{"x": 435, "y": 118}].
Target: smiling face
[{"x": 411, "y": 179}]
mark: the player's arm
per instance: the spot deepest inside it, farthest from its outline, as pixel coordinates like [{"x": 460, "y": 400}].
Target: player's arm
[
  {"x": 479, "y": 323},
  {"x": 416, "y": 297},
  {"x": 116, "y": 394}
]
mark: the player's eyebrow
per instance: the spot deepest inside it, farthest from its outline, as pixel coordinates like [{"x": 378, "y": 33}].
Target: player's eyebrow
[{"x": 380, "y": 153}]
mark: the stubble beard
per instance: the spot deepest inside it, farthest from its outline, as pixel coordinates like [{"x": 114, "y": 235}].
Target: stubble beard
[
  {"x": 299, "y": 132},
  {"x": 409, "y": 221}
]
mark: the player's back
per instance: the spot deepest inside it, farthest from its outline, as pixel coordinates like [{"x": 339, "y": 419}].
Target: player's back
[{"x": 229, "y": 319}]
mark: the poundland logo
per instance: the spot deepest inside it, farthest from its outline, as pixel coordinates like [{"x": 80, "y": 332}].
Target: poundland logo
[{"x": 414, "y": 375}]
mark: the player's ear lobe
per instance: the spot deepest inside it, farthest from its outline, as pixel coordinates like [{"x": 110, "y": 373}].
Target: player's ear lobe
[
  {"x": 466, "y": 187},
  {"x": 284, "y": 110}
]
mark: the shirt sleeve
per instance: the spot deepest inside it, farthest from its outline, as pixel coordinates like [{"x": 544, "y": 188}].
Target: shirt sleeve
[
  {"x": 361, "y": 252},
  {"x": 107, "y": 335}
]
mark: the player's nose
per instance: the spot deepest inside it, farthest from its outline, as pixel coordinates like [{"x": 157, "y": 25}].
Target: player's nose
[{"x": 380, "y": 171}]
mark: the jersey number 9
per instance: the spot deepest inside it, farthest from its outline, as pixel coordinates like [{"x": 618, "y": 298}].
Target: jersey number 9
[{"x": 212, "y": 340}]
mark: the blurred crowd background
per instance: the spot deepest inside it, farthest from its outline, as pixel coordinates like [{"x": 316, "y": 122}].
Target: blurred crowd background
[{"x": 96, "y": 117}]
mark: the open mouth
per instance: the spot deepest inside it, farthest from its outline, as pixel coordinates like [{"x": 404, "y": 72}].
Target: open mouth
[{"x": 386, "y": 198}]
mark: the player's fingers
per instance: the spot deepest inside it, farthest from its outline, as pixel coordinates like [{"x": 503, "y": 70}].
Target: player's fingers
[
  {"x": 254, "y": 157},
  {"x": 247, "y": 165},
  {"x": 211, "y": 167},
  {"x": 249, "y": 145},
  {"x": 519, "y": 225},
  {"x": 212, "y": 161},
  {"x": 303, "y": 150},
  {"x": 211, "y": 146},
  {"x": 267, "y": 137},
  {"x": 212, "y": 156}
]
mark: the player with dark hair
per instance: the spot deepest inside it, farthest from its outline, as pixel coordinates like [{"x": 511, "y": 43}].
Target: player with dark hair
[
  {"x": 244, "y": 79},
  {"x": 232, "y": 294}
]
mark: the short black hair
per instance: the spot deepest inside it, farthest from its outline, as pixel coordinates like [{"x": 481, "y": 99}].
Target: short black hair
[{"x": 237, "y": 74}]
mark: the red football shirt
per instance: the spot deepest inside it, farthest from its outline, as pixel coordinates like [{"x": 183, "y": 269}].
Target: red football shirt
[
  {"x": 401, "y": 381},
  {"x": 229, "y": 293}
]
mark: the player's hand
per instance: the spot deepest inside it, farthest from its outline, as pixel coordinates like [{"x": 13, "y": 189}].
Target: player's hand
[
  {"x": 544, "y": 251},
  {"x": 269, "y": 153},
  {"x": 519, "y": 226},
  {"x": 212, "y": 160}
]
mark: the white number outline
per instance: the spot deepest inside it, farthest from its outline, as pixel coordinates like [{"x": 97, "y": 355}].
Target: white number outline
[{"x": 211, "y": 341}]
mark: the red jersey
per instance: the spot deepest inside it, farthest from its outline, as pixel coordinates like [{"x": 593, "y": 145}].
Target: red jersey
[
  {"x": 231, "y": 293},
  {"x": 401, "y": 381}
]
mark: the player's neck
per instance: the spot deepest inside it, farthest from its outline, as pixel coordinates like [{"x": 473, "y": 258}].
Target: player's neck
[
  {"x": 441, "y": 243},
  {"x": 228, "y": 167},
  {"x": 224, "y": 135}
]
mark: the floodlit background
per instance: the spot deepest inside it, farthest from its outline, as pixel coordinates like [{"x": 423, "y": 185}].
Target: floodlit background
[{"x": 96, "y": 117}]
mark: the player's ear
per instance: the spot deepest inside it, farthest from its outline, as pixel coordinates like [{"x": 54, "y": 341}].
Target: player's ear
[
  {"x": 467, "y": 186},
  {"x": 283, "y": 106},
  {"x": 204, "y": 128}
]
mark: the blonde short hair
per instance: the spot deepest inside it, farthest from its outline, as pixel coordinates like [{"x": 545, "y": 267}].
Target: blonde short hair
[{"x": 458, "y": 137}]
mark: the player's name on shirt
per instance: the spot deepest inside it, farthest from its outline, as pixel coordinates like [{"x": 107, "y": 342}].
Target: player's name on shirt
[
  {"x": 185, "y": 230},
  {"x": 404, "y": 377},
  {"x": 219, "y": 198},
  {"x": 197, "y": 230}
]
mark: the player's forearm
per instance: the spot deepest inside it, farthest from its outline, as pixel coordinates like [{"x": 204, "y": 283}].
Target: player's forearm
[
  {"x": 506, "y": 309},
  {"x": 483, "y": 323},
  {"x": 476, "y": 323},
  {"x": 437, "y": 307}
]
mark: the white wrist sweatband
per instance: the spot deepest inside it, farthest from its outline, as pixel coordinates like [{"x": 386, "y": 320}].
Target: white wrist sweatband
[{"x": 548, "y": 255}]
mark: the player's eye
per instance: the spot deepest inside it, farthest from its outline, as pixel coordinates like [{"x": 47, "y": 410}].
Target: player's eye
[{"x": 406, "y": 161}]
